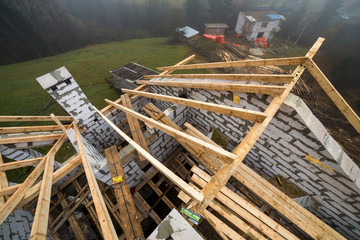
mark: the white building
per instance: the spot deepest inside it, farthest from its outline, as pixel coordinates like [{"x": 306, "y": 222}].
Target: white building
[{"x": 258, "y": 24}]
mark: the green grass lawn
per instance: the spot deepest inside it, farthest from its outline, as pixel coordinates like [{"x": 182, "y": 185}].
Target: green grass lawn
[{"x": 20, "y": 93}]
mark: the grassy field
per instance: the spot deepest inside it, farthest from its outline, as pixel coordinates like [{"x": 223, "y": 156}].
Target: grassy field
[{"x": 20, "y": 93}]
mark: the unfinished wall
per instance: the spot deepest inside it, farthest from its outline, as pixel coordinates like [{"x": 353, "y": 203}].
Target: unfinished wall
[{"x": 329, "y": 177}]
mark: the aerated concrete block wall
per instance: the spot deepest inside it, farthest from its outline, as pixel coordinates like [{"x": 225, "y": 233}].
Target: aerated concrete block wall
[{"x": 330, "y": 178}]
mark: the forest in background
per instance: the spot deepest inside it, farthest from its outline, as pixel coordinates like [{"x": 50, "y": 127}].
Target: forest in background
[{"x": 38, "y": 28}]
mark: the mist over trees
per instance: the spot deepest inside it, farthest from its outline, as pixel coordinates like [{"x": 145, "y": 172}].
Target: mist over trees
[{"x": 38, "y": 28}]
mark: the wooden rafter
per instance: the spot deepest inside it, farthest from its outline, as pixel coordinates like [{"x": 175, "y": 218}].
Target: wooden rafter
[
  {"x": 164, "y": 170},
  {"x": 32, "y": 138},
  {"x": 222, "y": 109},
  {"x": 41, "y": 218},
  {"x": 217, "y": 151},
  {"x": 233, "y": 87},
  {"x": 106, "y": 224},
  {"x": 334, "y": 95},
  {"x": 31, "y": 129},
  {"x": 244, "y": 63},
  {"x": 33, "y": 118},
  {"x": 226, "y": 171},
  {"x": 267, "y": 78},
  {"x": 19, "y": 164},
  {"x": 3, "y": 182}
]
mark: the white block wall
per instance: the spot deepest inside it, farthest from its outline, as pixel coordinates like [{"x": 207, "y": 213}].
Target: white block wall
[{"x": 291, "y": 135}]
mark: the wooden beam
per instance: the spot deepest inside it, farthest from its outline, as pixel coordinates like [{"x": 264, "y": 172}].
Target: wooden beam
[
  {"x": 186, "y": 60},
  {"x": 267, "y": 78},
  {"x": 32, "y": 138},
  {"x": 3, "y": 182},
  {"x": 164, "y": 170},
  {"x": 246, "y": 210},
  {"x": 232, "y": 87},
  {"x": 106, "y": 224},
  {"x": 41, "y": 218},
  {"x": 31, "y": 129},
  {"x": 19, "y": 164},
  {"x": 226, "y": 171},
  {"x": 33, "y": 118},
  {"x": 180, "y": 136},
  {"x": 243, "y": 63},
  {"x": 57, "y": 121},
  {"x": 334, "y": 95},
  {"x": 222, "y": 109},
  {"x": 13, "y": 201},
  {"x": 131, "y": 225},
  {"x": 134, "y": 126}
]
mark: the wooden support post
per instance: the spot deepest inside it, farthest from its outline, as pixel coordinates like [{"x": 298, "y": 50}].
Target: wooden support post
[
  {"x": 19, "y": 164},
  {"x": 222, "y": 109},
  {"x": 3, "y": 182},
  {"x": 220, "y": 86},
  {"x": 134, "y": 125},
  {"x": 267, "y": 78},
  {"x": 131, "y": 224},
  {"x": 243, "y": 63},
  {"x": 106, "y": 224},
  {"x": 169, "y": 174},
  {"x": 334, "y": 95},
  {"x": 226, "y": 171}
]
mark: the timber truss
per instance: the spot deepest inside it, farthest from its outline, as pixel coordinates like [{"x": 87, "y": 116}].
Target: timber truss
[{"x": 204, "y": 192}]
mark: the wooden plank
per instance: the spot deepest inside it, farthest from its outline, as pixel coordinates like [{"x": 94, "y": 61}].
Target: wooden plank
[
  {"x": 33, "y": 118},
  {"x": 333, "y": 94},
  {"x": 144, "y": 206},
  {"x": 57, "y": 121},
  {"x": 3, "y": 182},
  {"x": 186, "y": 60},
  {"x": 164, "y": 170},
  {"x": 13, "y": 201},
  {"x": 31, "y": 129},
  {"x": 32, "y": 138},
  {"x": 243, "y": 63},
  {"x": 41, "y": 218},
  {"x": 180, "y": 136},
  {"x": 89, "y": 208},
  {"x": 244, "y": 209},
  {"x": 267, "y": 78},
  {"x": 106, "y": 224},
  {"x": 134, "y": 125},
  {"x": 222, "y": 109},
  {"x": 221, "y": 86},
  {"x": 132, "y": 226},
  {"x": 19, "y": 164},
  {"x": 75, "y": 226},
  {"x": 225, "y": 172}
]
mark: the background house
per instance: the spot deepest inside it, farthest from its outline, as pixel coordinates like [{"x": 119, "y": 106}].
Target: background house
[
  {"x": 258, "y": 24},
  {"x": 215, "y": 28},
  {"x": 187, "y": 35}
]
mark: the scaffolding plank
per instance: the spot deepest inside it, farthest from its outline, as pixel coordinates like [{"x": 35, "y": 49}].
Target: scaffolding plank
[
  {"x": 134, "y": 125},
  {"x": 131, "y": 223},
  {"x": 213, "y": 107}
]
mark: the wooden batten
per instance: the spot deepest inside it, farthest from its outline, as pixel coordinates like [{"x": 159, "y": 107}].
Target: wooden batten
[{"x": 33, "y": 118}]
